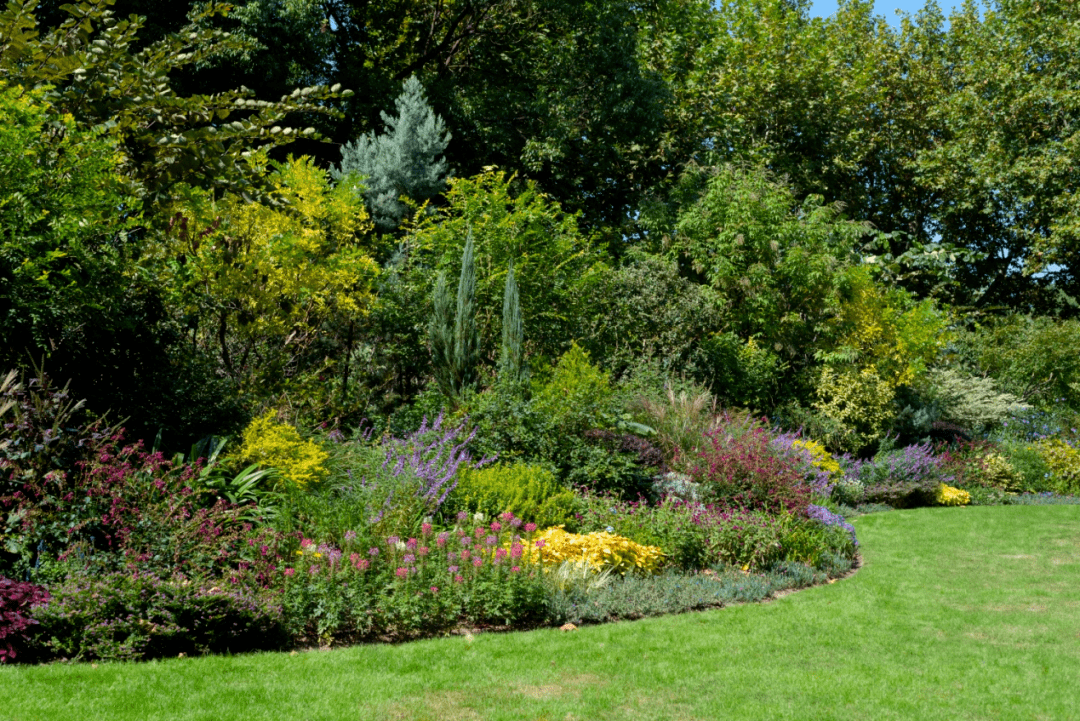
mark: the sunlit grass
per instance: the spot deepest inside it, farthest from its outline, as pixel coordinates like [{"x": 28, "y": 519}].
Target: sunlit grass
[{"x": 969, "y": 613}]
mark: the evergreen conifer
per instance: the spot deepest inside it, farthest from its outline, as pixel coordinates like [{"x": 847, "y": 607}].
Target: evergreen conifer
[
  {"x": 405, "y": 160},
  {"x": 511, "y": 365},
  {"x": 466, "y": 334},
  {"x": 455, "y": 343},
  {"x": 441, "y": 335}
]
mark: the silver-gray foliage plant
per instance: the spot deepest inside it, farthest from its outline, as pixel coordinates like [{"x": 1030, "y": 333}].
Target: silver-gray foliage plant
[{"x": 404, "y": 161}]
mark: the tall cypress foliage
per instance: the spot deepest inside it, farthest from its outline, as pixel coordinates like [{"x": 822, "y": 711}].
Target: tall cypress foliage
[
  {"x": 441, "y": 335},
  {"x": 405, "y": 160},
  {"x": 455, "y": 344},
  {"x": 466, "y": 334},
  {"x": 511, "y": 364}
]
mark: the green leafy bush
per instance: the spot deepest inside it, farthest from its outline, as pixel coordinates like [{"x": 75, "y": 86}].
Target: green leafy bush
[
  {"x": 531, "y": 492},
  {"x": 125, "y": 618}
]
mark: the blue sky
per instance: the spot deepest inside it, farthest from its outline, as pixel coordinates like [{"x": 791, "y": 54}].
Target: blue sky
[{"x": 887, "y": 8}]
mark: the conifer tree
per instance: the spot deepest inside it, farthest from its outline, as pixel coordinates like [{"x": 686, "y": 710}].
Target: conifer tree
[
  {"x": 466, "y": 334},
  {"x": 405, "y": 160},
  {"x": 511, "y": 365},
  {"x": 455, "y": 343},
  {"x": 441, "y": 335}
]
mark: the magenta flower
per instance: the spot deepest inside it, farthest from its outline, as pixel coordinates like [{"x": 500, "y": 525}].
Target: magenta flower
[
  {"x": 290, "y": 572},
  {"x": 453, "y": 569},
  {"x": 507, "y": 516},
  {"x": 401, "y": 572},
  {"x": 441, "y": 539},
  {"x": 465, "y": 555},
  {"x": 434, "y": 589},
  {"x": 515, "y": 569},
  {"x": 540, "y": 543},
  {"x": 362, "y": 565},
  {"x": 465, "y": 541},
  {"x": 477, "y": 562},
  {"x": 425, "y": 528},
  {"x": 373, "y": 552},
  {"x": 458, "y": 579},
  {"x": 353, "y": 558},
  {"x": 496, "y": 526},
  {"x": 423, "y": 551},
  {"x": 409, "y": 559},
  {"x": 491, "y": 540},
  {"x": 479, "y": 531},
  {"x": 462, "y": 516},
  {"x": 411, "y": 544},
  {"x": 516, "y": 550},
  {"x": 500, "y": 553},
  {"x": 530, "y": 527},
  {"x": 306, "y": 543}
]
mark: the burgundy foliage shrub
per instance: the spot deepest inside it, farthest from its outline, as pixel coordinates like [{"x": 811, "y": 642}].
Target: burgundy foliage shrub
[
  {"x": 16, "y": 600},
  {"x": 743, "y": 470}
]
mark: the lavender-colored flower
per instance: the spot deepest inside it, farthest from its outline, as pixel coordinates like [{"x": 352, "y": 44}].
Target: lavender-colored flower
[
  {"x": 491, "y": 540},
  {"x": 409, "y": 559},
  {"x": 373, "y": 552},
  {"x": 824, "y": 515},
  {"x": 392, "y": 541},
  {"x": 350, "y": 535}
]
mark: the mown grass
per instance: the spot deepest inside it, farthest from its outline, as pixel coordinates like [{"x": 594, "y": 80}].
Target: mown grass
[{"x": 970, "y": 613}]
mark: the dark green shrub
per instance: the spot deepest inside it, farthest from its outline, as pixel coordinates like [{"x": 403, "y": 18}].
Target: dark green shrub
[
  {"x": 125, "y": 617},
  {"x": 531, "y": 492}
]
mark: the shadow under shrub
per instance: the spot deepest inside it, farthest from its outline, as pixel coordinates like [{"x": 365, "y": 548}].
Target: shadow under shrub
[{"x": 131, "y": 617}]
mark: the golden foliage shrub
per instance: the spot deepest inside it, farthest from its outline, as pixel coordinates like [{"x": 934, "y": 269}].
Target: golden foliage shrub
[
  {"x": 601, "y": 551},
  {"x": 280, "y": 446},
  {"x": 949, "y": 496}
]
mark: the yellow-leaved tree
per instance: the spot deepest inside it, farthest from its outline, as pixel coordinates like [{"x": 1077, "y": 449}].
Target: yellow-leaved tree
[
  {"x": 887, "y": 340},
  {"x": 266, "y": 282}
]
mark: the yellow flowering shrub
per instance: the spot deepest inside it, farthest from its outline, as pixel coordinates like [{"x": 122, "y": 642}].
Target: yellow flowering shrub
[
  {"x": 600, "y": 550},
  {"x": 279, "y": 446},
  {"x": 822, "y": 459},
  {"x": 1064, "y": 463},
  {"x": 949, "y": 496}
]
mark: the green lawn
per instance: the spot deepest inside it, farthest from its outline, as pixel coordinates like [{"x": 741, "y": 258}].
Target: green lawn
[{"x": 968, "y": 613}]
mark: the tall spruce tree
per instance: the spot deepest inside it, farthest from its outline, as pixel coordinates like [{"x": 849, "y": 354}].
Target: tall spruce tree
[
  {"x": 511, "y": 364},
  {"x": 405, "y": 160}
]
